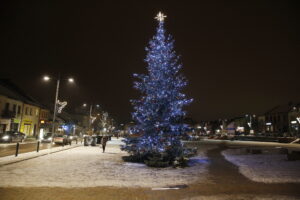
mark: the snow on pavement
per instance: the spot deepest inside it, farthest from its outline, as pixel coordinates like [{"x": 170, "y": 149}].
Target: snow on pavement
[
  {"x": 89, "y": 167},
  {"x": 24, "y": 156},
  {"x": 266, "y": 167},
  {"x": 243, "y": 197}
]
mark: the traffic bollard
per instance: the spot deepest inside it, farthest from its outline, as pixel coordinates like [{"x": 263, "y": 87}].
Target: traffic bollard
[
  {"x": 17, "y": 149},
  {"x": 38, "y": 146}
]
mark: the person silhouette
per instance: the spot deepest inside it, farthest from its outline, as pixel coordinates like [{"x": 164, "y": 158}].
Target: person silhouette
[{"x": 103, "y": 142}]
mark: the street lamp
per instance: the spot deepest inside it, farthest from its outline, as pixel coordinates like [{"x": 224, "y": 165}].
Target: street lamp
[
  {"x": 47, "y": 78},
  {"x": 91, "y": 109}
]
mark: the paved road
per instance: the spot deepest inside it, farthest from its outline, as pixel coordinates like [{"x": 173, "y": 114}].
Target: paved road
[{"x": 10, "y": 149}]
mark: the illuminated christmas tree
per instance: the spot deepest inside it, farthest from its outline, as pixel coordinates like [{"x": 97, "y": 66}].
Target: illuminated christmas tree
[{"x": 158, "y": 113}]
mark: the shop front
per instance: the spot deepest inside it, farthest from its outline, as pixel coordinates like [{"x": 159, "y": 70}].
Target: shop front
[
  {"x": 28, "y": 128},
  {"x": 44, "y": 128}
]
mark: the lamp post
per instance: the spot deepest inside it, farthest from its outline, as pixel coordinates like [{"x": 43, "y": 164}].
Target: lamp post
[
  {"x": 47, "y": 78},
  {"x": 90, "y": 113}
]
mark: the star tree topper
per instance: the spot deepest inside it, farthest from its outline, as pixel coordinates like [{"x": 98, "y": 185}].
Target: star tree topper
[{"x": 160, "y": 17}]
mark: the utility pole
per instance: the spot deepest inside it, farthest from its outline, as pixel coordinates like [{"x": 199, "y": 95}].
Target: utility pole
[
  {"x": 90, "y": 119},
  {"x": 55, "y": 104}
]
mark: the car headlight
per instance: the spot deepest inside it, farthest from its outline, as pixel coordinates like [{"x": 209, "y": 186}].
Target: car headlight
[{"x": 6, "y": 137}]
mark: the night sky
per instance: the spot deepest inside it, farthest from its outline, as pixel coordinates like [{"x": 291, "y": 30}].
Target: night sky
[{"x": 239, "y": 57}]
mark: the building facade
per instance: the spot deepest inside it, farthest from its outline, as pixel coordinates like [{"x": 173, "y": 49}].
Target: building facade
[
  {"x": 30, "y": 120},
  {"x": 11, "y": 114},
  {"x": 294, "y": 121},
  {"x": 277, "y": 120}
]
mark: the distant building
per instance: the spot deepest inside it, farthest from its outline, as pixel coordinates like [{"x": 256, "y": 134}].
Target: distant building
[
  {"x": 294, "y": 121},
  {"x": 261, "y": 124},
  {"x": 19, "y": 111},
  {"x": 237, "y": 125},
  {"x": 276, "y": 120},
  {"x": 231, "y": 128},
  {"x": 247, "y": 124}
]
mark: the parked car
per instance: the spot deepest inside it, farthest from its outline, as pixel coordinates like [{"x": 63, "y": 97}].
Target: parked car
[
  {"x": 12, "y": 136},
  {"x": 62, "y": 139},
  {"x": 48, "y": 137}
]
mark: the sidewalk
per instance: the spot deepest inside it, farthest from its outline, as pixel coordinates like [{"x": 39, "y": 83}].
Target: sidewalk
[
  {"x": 26, "y": 156},
  {"x": 15, "y": 143}
]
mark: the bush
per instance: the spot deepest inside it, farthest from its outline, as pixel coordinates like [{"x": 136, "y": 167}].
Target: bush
[
  {"x": 163, "y": 159},
  {"x": 157, "y": 161},
  {"x": 133, "y": 158}
]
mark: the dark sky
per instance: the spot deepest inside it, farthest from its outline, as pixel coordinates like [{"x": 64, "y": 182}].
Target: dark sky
[{"x": 239, "y": 56}]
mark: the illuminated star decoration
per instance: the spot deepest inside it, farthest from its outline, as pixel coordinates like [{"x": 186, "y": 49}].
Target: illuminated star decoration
[{"x": 160, "y": 17}]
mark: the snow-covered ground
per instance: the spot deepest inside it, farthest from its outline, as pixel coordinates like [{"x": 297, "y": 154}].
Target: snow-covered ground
[
  {"x": 237, "y": 143},
  {"x": 269, "y": 167},
  {"x": 24, "y": 156},
  {"x": 243, "y": 197},
  {"x": 89, "y": 167}
]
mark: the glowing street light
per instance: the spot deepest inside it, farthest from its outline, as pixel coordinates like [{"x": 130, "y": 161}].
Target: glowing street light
[
  {"x": 46, "y": 78},
  {"x": 71, "y": 80}
]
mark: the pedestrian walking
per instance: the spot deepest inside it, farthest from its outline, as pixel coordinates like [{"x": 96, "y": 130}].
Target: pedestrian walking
[{"x": 103, "y": 142}]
